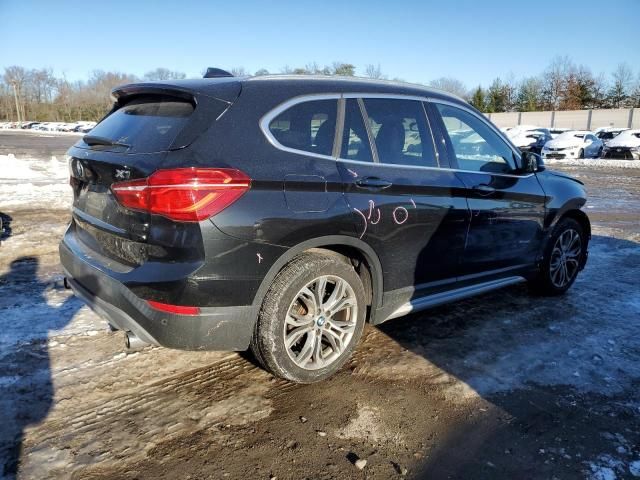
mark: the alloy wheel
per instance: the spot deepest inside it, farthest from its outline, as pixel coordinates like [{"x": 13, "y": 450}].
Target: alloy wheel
[
  {"x": 565, "y": 258},
  {"x": 320, "y": 322}
]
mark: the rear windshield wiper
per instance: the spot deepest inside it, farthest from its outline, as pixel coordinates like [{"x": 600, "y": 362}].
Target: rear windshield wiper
[{"x": 97, "y": 140}]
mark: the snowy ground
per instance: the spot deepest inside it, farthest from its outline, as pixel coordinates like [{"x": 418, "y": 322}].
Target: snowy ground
[{"x": 502, "y": 386}]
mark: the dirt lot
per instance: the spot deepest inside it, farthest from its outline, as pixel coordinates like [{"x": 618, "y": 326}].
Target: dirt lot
[{"x": 500, "y": 386}]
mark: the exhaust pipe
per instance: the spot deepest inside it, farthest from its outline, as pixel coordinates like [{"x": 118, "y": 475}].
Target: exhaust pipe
[{"x": 133, "y": 342}]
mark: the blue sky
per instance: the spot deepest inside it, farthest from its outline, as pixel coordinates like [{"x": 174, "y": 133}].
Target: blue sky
[{"x": 474, "y": 41}]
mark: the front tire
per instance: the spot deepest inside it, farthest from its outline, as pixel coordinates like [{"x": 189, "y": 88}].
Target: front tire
[
  {"x": 581, "y": 153},
  {"x": 311, "y": 318},
  {"x": 563, "y": 259}
]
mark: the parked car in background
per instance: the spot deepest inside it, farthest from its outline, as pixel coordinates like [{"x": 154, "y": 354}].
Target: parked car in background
[
  {"x": 281, "y": 213},
  {"x": 626, "y": 145},
  {"x": 573, "y": 144},
  {"x": 558, "y": 131},
  {"x": 531, "y": 140},
  {"x": 609, "y": 133}
]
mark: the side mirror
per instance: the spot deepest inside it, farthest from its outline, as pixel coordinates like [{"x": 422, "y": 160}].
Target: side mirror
[{"x": 532, "y": 162}]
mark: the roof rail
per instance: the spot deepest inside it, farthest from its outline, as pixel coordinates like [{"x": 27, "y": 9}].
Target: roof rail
[{"x": 216, "y": 72}]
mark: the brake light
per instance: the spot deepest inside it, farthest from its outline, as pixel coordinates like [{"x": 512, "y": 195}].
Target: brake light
[
  {"x": 184, "y": 194},
  {"x": 178, "y": 309}
]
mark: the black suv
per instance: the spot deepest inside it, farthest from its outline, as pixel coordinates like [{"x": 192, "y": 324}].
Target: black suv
[{"x": 281, "y": 213}]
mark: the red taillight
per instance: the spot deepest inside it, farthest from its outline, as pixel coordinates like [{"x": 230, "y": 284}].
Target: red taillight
[
  {"x": 184, "y": 194},
  {"x": 179, "y": 309}
]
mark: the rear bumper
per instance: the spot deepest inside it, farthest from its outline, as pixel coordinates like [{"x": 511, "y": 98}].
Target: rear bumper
[{"x": 215, "y": 328}]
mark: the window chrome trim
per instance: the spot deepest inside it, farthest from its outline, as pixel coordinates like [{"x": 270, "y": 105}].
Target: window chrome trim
[{"x": 270, "y": 115}]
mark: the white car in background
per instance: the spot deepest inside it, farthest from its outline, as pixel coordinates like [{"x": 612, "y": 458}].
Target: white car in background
[
  {"x": 607, "y": 134},
  {"x": 626, "y": 145},
  {"x": 573, "y": 144}
]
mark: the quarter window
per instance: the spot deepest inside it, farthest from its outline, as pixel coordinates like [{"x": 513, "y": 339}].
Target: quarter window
[
  {"x": 308, "y": 126},
  {"x": 476, "y": 146},
  {"x": 355, "y": 142},
  {"x": 400, "y": 132}
]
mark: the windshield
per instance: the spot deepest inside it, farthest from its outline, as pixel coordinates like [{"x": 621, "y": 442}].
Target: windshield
[
  {"x": 569, "y": 136},
  {"x": 143, "y": 125}
]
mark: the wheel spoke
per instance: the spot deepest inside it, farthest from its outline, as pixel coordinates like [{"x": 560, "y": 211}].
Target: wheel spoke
[
  {"x": 307, "y": 349},
  {"x": 309, "y": 299},
  {"x": 320, "y": 290},
  {"x": 317, "y": 350},
  {"x": 339, "y": 290},
  {"x": 296, "y": 320},
  {"x": 341, "y": 305},
  {"x": 296, "y": 334},
  {"x": 334, "y": 340}
]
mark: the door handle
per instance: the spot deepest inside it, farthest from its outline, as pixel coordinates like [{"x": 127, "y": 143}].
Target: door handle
[
  {"x": 373, "y": 183},
  {"x": 483, "y": 189}
]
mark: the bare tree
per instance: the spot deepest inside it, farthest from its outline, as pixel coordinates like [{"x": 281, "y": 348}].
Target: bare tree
[
  {"x": 16, "y": 78},
  {"x": 239, "y": 72},
  {"x": 374, "y": 71},
  {"x": 554, "y": 79},
  {"x": 451, "y": 85},
  {"x": 161, "y": 73},
  {"x": 621, "y": 88}
]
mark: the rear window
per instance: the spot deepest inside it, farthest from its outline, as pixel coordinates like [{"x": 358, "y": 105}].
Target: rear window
[
  {"x": 308, "y": 126},
  {"x": 143, "y": 125}
]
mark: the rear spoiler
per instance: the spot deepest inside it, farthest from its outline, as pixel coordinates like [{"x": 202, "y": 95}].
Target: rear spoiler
[{"x": 226, "y": 89}]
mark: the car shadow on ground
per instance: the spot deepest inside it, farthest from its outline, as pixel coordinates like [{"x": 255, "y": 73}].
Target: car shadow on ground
[
  {"x": 26, "y": 388},
  {"x": 557, "y": 375}
]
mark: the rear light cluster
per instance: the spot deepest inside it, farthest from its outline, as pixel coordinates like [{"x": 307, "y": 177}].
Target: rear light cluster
[{"x": 183, "y": 194}]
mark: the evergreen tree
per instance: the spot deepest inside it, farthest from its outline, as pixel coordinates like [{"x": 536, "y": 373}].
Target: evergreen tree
[{"x": 478, "y": 99}]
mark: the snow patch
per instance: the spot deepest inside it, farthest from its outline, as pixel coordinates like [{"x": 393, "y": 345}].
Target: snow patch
[
  {"x": 32, "y": 182},
  {"x": 596, "y": 162}
]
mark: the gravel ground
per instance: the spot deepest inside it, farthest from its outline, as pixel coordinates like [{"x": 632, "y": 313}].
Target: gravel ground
[{"x": 506, "y": 385}]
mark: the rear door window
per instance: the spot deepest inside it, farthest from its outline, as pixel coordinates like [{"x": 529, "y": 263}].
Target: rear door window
[
  {"x": 400, "y": 132},
  {"x": 146, "y": 124},
  {"x": 307, "y": 126}
]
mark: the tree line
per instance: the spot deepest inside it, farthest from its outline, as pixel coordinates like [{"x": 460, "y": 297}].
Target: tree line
[{"x": 40, "y": 95}]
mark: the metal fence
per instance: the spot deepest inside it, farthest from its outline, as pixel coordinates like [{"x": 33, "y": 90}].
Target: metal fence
[{"x": 574, "y": 119}]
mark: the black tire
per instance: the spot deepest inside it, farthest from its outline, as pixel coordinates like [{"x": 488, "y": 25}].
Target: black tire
[
  {"x": 543, "y": 283},
  {"x": 581, "y": 153},
  {"x": 268, "y": 342},
  {"x": 600, "y": 152}
]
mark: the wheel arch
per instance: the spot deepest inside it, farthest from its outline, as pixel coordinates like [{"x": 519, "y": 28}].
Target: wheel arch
[{"x": 345, "y": 246}]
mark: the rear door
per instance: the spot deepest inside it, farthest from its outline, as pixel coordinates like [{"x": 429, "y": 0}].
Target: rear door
[
  {"x": 507, "y": 207},
  {"x": 410, "y": 211}
]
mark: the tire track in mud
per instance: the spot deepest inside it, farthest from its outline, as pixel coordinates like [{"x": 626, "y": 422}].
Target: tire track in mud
[{"x": 231, "y": 391}]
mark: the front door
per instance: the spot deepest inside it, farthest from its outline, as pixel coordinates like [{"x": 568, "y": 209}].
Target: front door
[{"x": 507, "y": 207}]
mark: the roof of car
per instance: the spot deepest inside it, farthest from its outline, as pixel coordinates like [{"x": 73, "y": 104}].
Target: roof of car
[
  {"x": 299, "y": 84},
  {"x": 330, "y": 82}
]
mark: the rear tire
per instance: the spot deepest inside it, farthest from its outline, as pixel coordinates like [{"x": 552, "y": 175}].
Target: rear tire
[
  {"x": 563, "y": 259},
  {"x": 581, "y": 153},
  {"x": 311, "y": 318}
]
